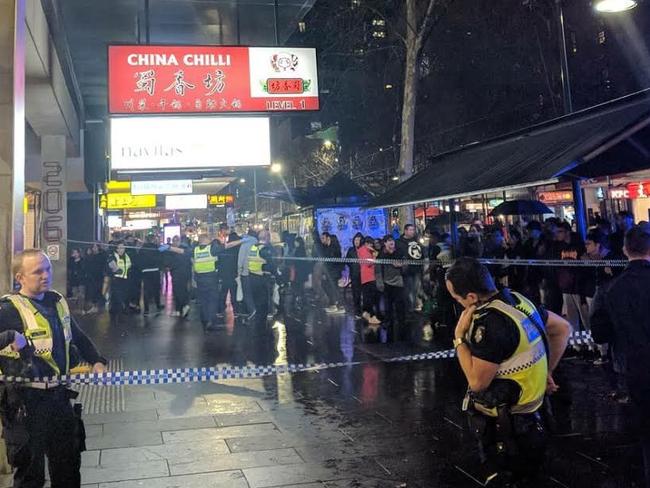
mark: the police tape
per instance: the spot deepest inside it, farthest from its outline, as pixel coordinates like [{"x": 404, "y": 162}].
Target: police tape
[
  {"x": 577, "y": 263},
  {"x": 205, "y": 374}
]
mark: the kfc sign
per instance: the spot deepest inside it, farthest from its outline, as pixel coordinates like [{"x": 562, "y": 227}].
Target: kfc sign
[
  {"x": 211, "y": 79},
  {"x": 640, "y": 189}
]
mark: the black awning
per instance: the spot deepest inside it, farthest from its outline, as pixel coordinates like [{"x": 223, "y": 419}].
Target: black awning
[{"x": 536, "y": 155}]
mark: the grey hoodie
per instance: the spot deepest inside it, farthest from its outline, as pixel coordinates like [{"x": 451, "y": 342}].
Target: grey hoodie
[{"x": 242, "y": 258}]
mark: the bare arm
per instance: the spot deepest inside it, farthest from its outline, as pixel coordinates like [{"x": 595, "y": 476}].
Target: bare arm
[
  {"x": 479, "y": 373},
  {"x": 558, "y": 331}
]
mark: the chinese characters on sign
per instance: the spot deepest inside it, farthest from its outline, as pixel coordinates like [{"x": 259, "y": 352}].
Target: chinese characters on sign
[
  {"x": 114, "y": 201},
  {"x": 189, "y": 79},
  {"x": 221, "y": 200}
]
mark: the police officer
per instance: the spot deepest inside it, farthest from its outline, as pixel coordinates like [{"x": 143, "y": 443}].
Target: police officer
[
  {"x": 204, "y": 262},
  {"x": 39, "y": 339},
  {"x": 507, "y": 349},
  {"x": 261, "y": 270},
  {"x": 119, "y": 263}
]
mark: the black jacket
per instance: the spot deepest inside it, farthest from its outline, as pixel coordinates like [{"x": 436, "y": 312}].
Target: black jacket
[
  {"x": 410, "y": 249},
  {"x": 10, "y": 321},
  {"x": 621, "y": 316}
]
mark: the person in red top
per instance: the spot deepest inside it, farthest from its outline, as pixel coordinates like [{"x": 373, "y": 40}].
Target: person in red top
[{"x": 369, "y": 293}]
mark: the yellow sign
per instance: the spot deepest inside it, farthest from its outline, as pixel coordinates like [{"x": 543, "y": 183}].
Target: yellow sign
[
  {"x": 113, "y": 201},
  {"x": 118, "y": 185},
  {"x": 221, "y": 199}
]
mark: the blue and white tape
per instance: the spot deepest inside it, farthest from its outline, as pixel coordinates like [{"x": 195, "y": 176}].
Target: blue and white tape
[{"x": 198, "y": 375}]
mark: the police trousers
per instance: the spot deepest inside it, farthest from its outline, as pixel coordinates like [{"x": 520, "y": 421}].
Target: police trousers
[
  {"x": 207, "y": 289},
  {"x": 49, "y": 428},
  {"x": 260, "y": 287}
]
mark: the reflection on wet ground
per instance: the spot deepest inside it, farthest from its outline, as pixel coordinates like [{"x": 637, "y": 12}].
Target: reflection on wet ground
[{"x": 366, "y": 425}]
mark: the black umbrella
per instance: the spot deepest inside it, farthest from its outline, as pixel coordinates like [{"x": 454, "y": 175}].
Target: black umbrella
[{"x": 521, "y": 207}]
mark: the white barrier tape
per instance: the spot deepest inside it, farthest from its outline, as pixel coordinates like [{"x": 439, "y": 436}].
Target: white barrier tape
[{"x": 198, "y": 375}]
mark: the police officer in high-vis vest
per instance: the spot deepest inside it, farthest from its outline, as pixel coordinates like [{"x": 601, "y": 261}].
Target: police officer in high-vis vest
[
  {"x": 261, "y": 270},
  {"x": 204, "y": 261},
  {"x": 508, "y": 349},
  {"x": 120, "y": 265},
  {"x": 39, "y": 339}
]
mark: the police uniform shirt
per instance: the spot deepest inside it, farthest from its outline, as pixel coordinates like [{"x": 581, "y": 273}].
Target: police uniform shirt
[
  {"x": 10, "y": 320},
  {"x": 495, "y": 337}
]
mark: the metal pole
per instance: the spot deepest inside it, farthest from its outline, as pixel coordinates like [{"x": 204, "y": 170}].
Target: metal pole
[
  {"x": 453, "y": 226},
  {"x": 255, "y": 193},
  {"x": 579, "y": 208},
  {"x": 564, "y": 60},
  {"x": 276, "y": 29}
]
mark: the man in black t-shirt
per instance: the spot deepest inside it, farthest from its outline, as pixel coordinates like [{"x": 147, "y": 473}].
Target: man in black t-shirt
[{"x": 507, "y": 349}]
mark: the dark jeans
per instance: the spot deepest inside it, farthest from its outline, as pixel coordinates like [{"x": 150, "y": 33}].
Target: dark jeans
[
  {"x": 259, "y": 287},
  {"x": 356, "y": 294},
  {"x": 228, "y": 284},
  {"x": 331, "y": 286},
  {"x": 395, "y": 305},
  {"x": 370, "y": 298},
  {"x": 180, "y": 283},
  {"x": 48, "y": 430},
  {"x": 151, "y": 281},
  {"x": 249, "y": 302},
  {"x": 120, "y": 289},
  {"x": 207, "y": 288},
  {"x": 412, "y": 287}
]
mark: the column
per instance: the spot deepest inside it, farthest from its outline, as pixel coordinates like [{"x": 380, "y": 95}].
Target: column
[
  {"x": 12, "y": 134},
  {"x": 54, "y": 211},
  {"x": 579, "y": 207}
]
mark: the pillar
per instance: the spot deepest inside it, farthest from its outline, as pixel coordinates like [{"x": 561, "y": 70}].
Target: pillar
[
  {"x": 580, "y": 209},
  {"x": 453, "y": 227},
  {"x": 12, "y": 134},
  {"x": 54, "y": 207}
]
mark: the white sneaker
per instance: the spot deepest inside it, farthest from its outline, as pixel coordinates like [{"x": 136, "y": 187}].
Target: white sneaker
[
  {"x": 186, "y": 310},
  {"x": 332, "y": 309},
  {"x": 366, "y": 316},
  {"x": 374, "y": 320}
]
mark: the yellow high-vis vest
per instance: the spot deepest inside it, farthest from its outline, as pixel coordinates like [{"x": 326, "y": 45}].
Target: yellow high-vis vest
[
  {"x": 255, "y": 261},
  {"x": 528, "y": 366},
  {"x": 204, "y": 261},
  {"x": 123, "y": 272},
  {"x": 38, "y": 329}
]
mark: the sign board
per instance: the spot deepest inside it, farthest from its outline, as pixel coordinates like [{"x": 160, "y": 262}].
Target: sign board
[
  {"x": 639, "y": 189},
  {"x": 119, "y": 186},
  {"x": 211, "y": 79},
  {"x": 618, "y": 193},
  {"x": 345, "y": 222},
  {"x": 221, "y": 200},
  {"x": 140, "y": 224},
  {"x": 114, "y": 221},
  {"x": 163, "y": 187},
  {"x": 186, "y": 202},
  {"x": 53, "y": 252},
  {"x": 555, "y": 197},
  {"x": 169, "y": 143},
  {"x": 114, "y": 201}
]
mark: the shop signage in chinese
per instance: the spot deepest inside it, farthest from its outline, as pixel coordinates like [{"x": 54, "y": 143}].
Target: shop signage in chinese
[
  {"x": 114, "y": 201},
  {"x": 118, "y": 186},
  {"x": 639, "y": 189},
  {"x": 161, "y": 187},
  {"x": 221, "y": 200},
  {"x": 555, "y": 197},
  {"x": 211, "y": 79}
]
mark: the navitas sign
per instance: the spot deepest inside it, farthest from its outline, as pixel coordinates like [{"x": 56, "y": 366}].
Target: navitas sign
[
  {"x": 188, "y": 143},
  {"x": 211, "y": 79}
]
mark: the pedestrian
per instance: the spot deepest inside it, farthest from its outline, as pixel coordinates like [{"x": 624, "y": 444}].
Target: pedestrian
[
  {"x": 151, "y": 264},
  {"x": 331, "y": 273},
  {"x": 370, "y": 295},
  {"x": 119, "y": 265},
  {"x": 507, "y": 349},
  {"x": 179, "y": 257},
  {"x": 624, "y": 222},
  {"x": 133, "y": 246},
  {"x": 243, "y": 257},
  {"x": 390, "y": 283},
  {"x": 37, "y": 417},
  {"x": 355, "y": 272},
  {"x": 76, "y": 273},
  {"x": 409, "y": 247},
  {"x": 227, "y": 269},
  {"x": 261, "y": 270},
  {"x": 621, "y": 317},
  {"x": 533, "y": 248},
  {"x": 302, "y": 269},
  {"x": 204, "y": 261}
]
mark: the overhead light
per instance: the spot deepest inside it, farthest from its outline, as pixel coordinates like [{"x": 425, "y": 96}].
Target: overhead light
[
  {"x": 613, "y": 6},
  {"x": 242, "y": 180},
  {"x": 327, "y": 143},
  {"x": 276, "y": 168},
  {"x": 388, "y": 86},
  {"x": 395, "y": 178}
]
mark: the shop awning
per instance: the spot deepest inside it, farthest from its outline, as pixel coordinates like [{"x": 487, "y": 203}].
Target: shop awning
[{"x": 602, "y": 136}]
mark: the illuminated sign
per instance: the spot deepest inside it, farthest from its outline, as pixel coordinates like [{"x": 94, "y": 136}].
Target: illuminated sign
[
  {"x": 170, "y": 143},
  {"x": 186, "y": 202},
  {"x": 618, "y": 193},
  {"x": 221, "y": 200},
  {"x": 163, "y": 187},
  {"x": 114, "y": 221},
  {"x": 639, "y": 189},
  {"x": 121, "y": 186},
  {"x": 140, "y": 224},
  {"x": 114, "y": 201},
  {"x": 211, "y": 79},
  {"x": 555, "y": 197}
]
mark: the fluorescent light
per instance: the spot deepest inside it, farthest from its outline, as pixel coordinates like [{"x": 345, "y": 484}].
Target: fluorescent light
[
  {"x": 613, "y": 6},
  {"x": 173, "y": 143}
]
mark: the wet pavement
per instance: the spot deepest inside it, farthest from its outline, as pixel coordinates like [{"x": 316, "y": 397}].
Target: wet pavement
[{"x": 373, "y": 424}]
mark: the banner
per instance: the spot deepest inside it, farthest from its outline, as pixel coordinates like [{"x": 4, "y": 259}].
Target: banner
[
  {"x": 211, "y": 79},
  {"x": 345, "y": 222}
]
